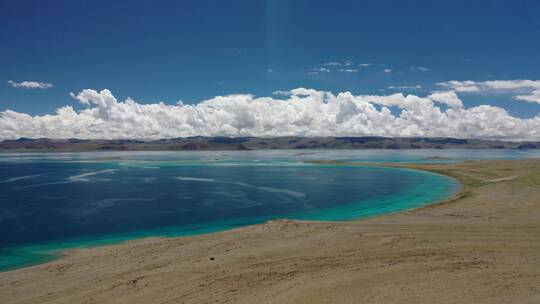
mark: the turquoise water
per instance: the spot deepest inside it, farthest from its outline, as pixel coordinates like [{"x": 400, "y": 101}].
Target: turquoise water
[{"x": 52, "y": 202}]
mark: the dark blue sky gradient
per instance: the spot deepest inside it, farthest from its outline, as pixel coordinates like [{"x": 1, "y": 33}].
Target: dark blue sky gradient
[{"x": 192, "y": 50}]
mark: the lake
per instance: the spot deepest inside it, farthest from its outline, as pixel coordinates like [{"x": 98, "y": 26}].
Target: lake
[{"x": 55, "y": 201}]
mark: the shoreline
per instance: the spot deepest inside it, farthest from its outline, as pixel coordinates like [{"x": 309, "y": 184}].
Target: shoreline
[
  {"x": 459, "y": 194},
  {"x": 482, "y": 247},
  {"x": 62, "y": 248}
]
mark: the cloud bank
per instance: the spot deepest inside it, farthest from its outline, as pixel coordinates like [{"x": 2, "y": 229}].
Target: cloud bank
[
  {"x": 30, "y": 84},
  {"x": 299, "y": 112}
]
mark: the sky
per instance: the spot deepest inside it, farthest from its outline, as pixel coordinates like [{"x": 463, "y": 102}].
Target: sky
[{"x": 98, "y": 69}]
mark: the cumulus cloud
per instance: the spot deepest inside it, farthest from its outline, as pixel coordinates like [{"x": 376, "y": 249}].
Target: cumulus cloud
[
  {"x": 30, "y": 84},
  {"x": 528, "y": 90},
  {"x": 299, "y": 112},
  {"x": 387, "y": 70},
  {"x": 449, "y": 98},
  {"x": 348, "y": 70}
]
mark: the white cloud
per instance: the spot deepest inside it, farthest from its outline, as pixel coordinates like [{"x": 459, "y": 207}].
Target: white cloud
[
  {"x": 412, "y": 87},
  {"x": 282, "y": 93},
  {"x": 533, "y": 97},
  {"x": 449, "y": 98},
  {"x": 30, "y": 84},
  {"x": 324, "y": 70},
  {"x": 301, "y": 112},
  {"x": 512, "y": 84},
  {"x": 419, "y": 69},
  {"x": 345, "y": 63},
  {"x": 348, "y": 70},
  {"x": 491, "y": 85},
  {"x": 387, "y": 70},
  {"x": 332, "y": 63},
  {"x": 528, "y": 90},
  {"x": 460, "y": 86}
]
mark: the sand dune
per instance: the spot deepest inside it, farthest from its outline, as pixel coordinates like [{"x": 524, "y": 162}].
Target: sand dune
[{"x": 482, "y": 247}]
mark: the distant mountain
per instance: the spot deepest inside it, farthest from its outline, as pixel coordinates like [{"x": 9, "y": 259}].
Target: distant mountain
[{"x": 257, "y": 143}]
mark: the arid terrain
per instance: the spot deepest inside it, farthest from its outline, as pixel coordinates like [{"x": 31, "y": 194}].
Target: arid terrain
[{"x": 481, "y": 247}]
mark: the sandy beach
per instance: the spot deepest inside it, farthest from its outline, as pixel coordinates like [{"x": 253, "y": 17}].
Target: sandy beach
[{"x": 483, "y": 246}]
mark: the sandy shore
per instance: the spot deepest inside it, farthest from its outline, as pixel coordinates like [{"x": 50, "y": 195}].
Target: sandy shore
[{"x": 483, "y": 247}]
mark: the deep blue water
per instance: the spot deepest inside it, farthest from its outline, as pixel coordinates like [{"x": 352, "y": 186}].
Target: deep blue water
[{"x": 51, "y": 202}]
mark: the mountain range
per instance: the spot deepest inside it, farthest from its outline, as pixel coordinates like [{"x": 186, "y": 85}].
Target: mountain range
[{"x": 258, "y": 143}]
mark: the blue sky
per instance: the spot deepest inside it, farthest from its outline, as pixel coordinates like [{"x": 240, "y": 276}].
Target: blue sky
[{"x": 194, "y": 50}]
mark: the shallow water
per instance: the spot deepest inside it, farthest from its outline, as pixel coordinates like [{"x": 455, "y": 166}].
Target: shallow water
[{"x": 51, "y": 202}]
